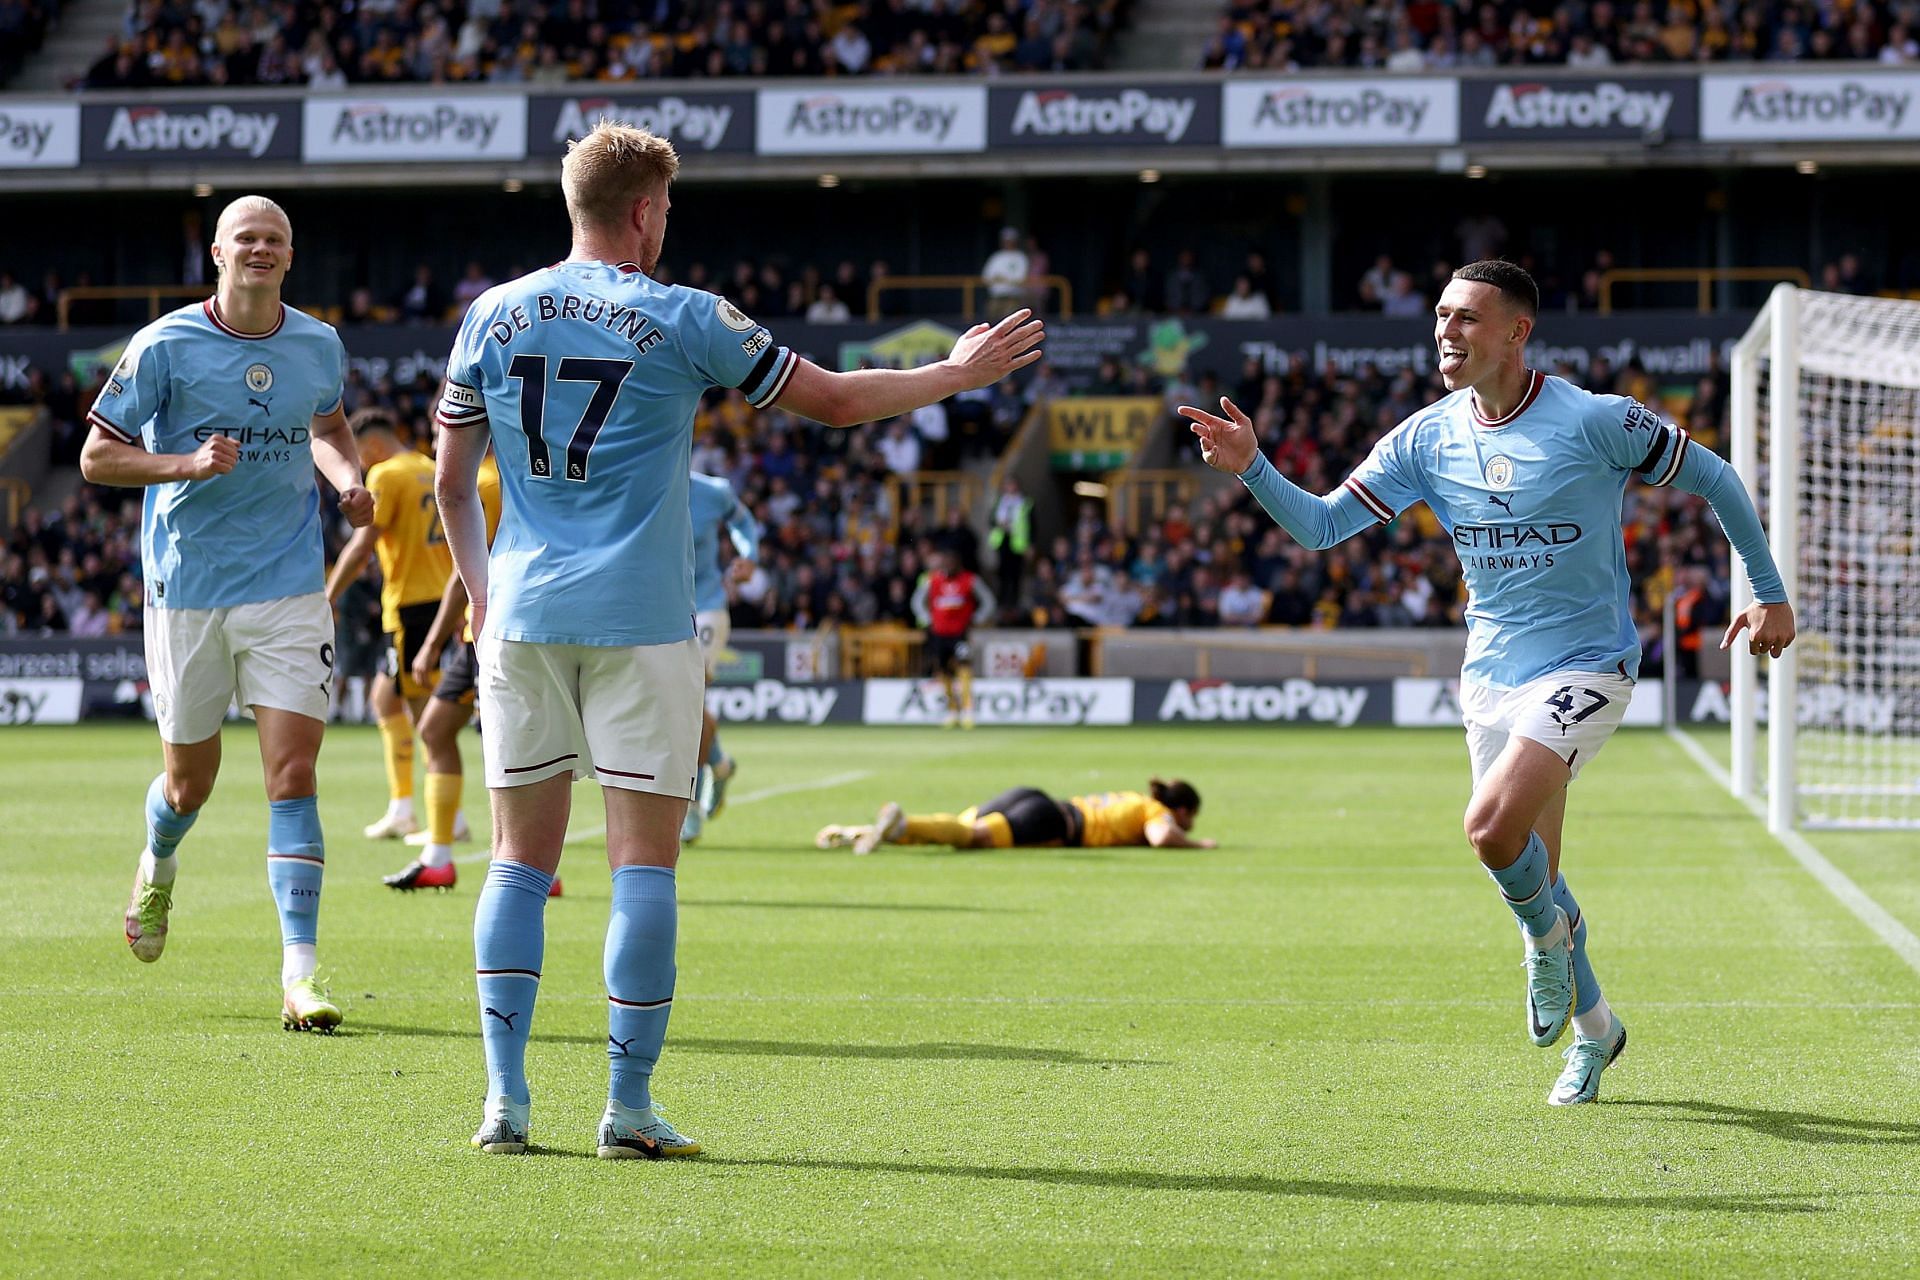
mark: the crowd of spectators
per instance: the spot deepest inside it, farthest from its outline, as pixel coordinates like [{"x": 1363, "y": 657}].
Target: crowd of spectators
[
  {"x": 1428, "y": 35},
  {"x": 330, "y": 44},
  {"x": 839, "y": 547},
  {"x": 23, "y": 29}
]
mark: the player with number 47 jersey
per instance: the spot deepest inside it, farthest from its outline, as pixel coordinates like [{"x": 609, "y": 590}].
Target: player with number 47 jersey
[{"x": 1526, "y": 473}]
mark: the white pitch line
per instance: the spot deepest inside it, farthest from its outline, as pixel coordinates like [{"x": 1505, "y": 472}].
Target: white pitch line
[
  {"x": 1834, "y": 880},
  {"x": 745, "y": 797}
]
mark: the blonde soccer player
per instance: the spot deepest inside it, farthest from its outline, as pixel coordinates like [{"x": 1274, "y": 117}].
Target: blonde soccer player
[
  {"x": 585, "y": 376},
  {"x": 222, "y": 411}
]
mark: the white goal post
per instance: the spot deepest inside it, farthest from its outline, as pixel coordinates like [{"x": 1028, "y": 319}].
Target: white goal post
[{"x": 1826, "y": 436}]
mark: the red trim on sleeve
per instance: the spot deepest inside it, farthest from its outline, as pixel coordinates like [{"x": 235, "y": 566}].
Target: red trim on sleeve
[{"x": 1380, "y": 510}]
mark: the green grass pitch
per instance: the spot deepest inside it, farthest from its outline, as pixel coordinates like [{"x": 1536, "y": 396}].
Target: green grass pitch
[{"x": 1302, "y": 1054}]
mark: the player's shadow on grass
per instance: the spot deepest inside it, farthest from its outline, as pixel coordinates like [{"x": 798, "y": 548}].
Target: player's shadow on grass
[
  {"x": 931, "y": 1051},
  {"x": 1308, "y": 1188},
  {"x": 925, "y": 1051},
  {"x": 848, "y": 906},
  {"x": 1794, "y": 1126}
]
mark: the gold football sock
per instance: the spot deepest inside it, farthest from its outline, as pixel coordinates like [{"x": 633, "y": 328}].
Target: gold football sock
[
  {"x": 443, "y": 804},
  {"x": 966, "y": 691},
  {"x": 396, "y": 735},
  {"x": 937, "y": 828},
  {"x": 999, "y": 830}
]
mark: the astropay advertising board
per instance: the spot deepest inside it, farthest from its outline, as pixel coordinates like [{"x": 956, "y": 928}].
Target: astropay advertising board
[
  {"x": 1311, "y": 113},
  {"x": 39, "y": 135},
  {"x": 352, "y": 129},
  {"x": 240, "y": 128},
  {"x": 1767, "y": 106},
  {"x": 697, "y": 123},
  {"x": 901, "y": 120},
  {"x": 1583, "y": 109}
]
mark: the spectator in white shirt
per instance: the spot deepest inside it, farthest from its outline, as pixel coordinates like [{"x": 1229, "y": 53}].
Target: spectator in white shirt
[
  {"x": 1241, "y": 603},
  {"x": 851, "y": 49},
  {"x": 827, "y": 308},
  {"x": 900, "y": 448},
  {"x": 1403, "y": 301},
  {"x": 16, "y": 303},
  {"x": 1244, "y": 304},
  {"x": 1006, "y": 276}
]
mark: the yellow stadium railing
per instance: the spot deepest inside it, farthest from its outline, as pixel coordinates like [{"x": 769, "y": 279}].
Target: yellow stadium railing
[
  {"x": 942, "y": 491},
  {"x": 1702, "y": 278},
  {"x": 1136, "y": 499}
]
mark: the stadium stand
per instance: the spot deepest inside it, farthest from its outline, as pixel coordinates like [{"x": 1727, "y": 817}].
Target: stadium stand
[
  {"x": 1423, "y": 35},
  {"x": 329, "y": 45}
]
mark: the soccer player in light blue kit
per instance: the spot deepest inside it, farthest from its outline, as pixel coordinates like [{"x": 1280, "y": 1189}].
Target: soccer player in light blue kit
[
  {"x": 587, "y": 374},
  {"x": 1526, "y": 473},
  {"x": 714, "y": 504},
  {"x": 222, "y": 410}
]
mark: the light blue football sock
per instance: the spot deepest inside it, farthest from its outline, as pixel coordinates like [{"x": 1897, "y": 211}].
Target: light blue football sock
[
  {"x": 166, "y": 826},
  {"x": 509, "y": 945},
  {"x": 1586, "y": 984},
  {"x": 714, "y": 754},
  {"x": 639, "y": 974},
  {"x": 296, "y": 864},
  {"x": 1524, "y": 885}
]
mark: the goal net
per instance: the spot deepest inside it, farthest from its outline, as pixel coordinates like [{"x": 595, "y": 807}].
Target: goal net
[{"x": 1826, "y": 431}]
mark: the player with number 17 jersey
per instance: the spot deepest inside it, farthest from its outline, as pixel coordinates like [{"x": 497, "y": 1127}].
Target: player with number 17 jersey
[{"x": 588, "y": 370}]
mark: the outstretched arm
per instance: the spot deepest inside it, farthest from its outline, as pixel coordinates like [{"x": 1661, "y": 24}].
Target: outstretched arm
[
  {"x": 1165, "y": 833},
  {"x": 1227, "y": 444},
  {"x": 980, "y": 358},
  {"x": 1770, "y": 617}
]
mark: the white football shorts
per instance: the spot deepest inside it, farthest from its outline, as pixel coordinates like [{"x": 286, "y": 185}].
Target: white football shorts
[
  {"x": 1572, "y": 713},
  {"x": 715, "y": 628},
  {"x": 624, "y": 716},
  {"x": 274, "y": 653}
]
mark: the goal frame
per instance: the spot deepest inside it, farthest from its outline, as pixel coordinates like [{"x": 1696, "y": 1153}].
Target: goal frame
[{"x": 1774, "y": 332}]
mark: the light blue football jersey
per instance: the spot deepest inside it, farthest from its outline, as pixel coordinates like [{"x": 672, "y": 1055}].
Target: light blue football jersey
[
  {"x": 713, "y": 502},
  {"x": 254, "y": 533},
  {"x": 588, "y": 375},
  {"x": 1532, "y": 504}
]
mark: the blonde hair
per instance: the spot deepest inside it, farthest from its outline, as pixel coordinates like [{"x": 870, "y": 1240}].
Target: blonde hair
[
  {"x": 240, "y": 208},
  {"x": 612, "y": 167},
  {"x": 251, "y": 204}
]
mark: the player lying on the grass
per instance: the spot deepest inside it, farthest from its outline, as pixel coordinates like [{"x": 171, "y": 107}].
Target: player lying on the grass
[
  {"x": 1526, "y": 474},
  {"x": 714, "y": 505},
  {"x": 586, "y": 375},
  {"x": 222, "y": 410},
  {"x": 414, "y": 568},
  {"x": 1025, "y": 818}
]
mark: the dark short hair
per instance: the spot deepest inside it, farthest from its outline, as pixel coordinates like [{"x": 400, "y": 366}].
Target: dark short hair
[
  {"x": 1510, "y": 279},
  {"x": 1176, "y": 794},
  {"x": 372, "y": 418}
]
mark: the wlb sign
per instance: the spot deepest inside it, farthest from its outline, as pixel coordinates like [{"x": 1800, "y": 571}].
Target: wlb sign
[{"x": 1098, "y": 433}]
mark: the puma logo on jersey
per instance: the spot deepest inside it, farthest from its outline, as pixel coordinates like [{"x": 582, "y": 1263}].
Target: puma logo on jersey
[
  {"x": 261, "y": 405},
  {"x": 1505, "y": 504}
]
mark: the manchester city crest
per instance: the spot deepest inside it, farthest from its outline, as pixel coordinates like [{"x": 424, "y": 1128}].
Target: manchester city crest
[
  {"x": 259, "y": 378},
  {"x": 1500, "y": 471}
]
